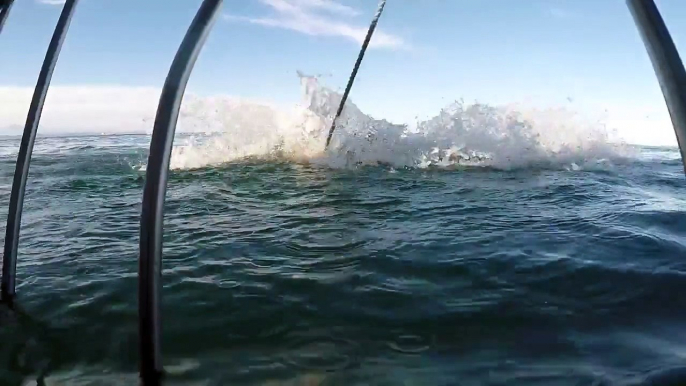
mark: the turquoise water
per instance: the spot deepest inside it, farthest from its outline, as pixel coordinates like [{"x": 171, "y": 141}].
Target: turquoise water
[{"x": 285, "y": 272}]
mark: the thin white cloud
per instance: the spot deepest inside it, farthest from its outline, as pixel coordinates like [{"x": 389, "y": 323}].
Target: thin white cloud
[
  {"x": 560, "y": 13},
  {"x": 112, "y": 109},
  {"x": 320, "y": 18},
  {"x": 52, "y": 2},
  {"x": 325, "y": 5},
  {"x": 81, "y": 108}
]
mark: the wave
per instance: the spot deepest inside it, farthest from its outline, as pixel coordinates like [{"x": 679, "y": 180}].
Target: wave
[{"x": 460, "y": 134}]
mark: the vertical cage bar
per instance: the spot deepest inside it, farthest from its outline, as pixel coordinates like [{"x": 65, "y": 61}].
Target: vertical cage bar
[
  {"x": 150, "y": 260},
  {"x": 356, "y": 67},
  {"x": 9, "y": 258},
  {"x": 5, "y": 6},
  {"x": 666, "y": 63}
]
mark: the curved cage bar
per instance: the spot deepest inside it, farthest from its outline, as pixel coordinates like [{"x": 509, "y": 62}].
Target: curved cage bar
[
  {"x": 150, "y": 260},
  {"x": 666, "y": 63},
  {"x": 9, "y": 259},
  {"x": 663, "y": 54},
  {"x": 5, "y": 7}
]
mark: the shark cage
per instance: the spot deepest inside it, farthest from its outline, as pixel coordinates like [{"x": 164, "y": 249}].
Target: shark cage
[{"x": 664, "y": 57}]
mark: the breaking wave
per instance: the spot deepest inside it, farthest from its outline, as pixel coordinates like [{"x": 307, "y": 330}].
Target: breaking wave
[{"x": 461, "y": 134}]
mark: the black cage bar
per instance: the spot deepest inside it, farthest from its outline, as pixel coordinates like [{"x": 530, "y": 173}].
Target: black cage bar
[
  {"x": 666, "y": 63},
  {"x": 5, "y": 6},
  {"x": 21, "y": 172},
  {"x": 656, "y": 38},
  {"x": 152, "y": 213}
]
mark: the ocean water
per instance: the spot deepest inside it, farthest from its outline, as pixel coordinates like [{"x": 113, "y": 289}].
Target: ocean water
[{"x": 484, "y": 246}]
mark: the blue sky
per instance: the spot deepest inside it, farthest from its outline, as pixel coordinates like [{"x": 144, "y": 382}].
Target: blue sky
[{"x": 425, "y": 53}]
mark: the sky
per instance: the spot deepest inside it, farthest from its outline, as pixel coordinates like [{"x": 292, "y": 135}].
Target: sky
[{"x": 585, "y": 55}]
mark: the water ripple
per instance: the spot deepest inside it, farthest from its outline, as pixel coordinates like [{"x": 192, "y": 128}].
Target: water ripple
[{"x": 298, "y": 273}]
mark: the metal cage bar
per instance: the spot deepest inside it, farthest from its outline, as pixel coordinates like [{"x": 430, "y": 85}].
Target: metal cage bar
[
  {"x": 5, "y": 6},
  {"x": 150, "y": 260},
  {"x": 666, "y": 63},
  {"x": 356, "y": 67},
  {"x": 9, "y": 259}
]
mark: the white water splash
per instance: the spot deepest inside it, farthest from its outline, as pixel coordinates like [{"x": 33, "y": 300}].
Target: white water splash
[{"x": 477, "y": 134}]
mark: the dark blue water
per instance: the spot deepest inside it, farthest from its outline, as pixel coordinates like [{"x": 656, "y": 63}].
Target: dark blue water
[{"x": 278, "y": 272}]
